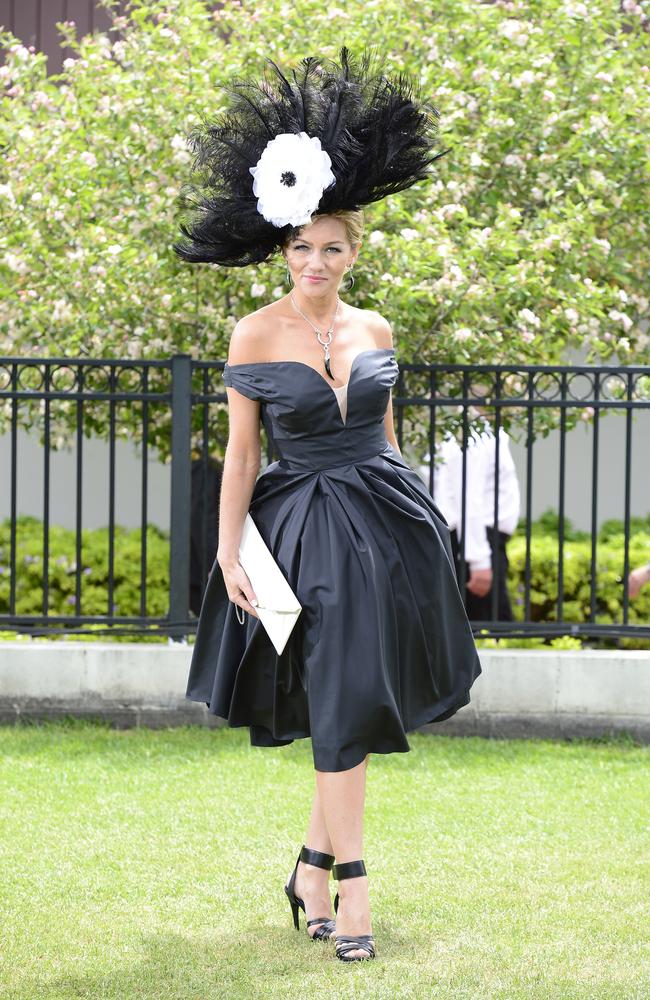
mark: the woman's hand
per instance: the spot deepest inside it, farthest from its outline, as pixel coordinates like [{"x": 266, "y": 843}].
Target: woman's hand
[
  {"x": 638, "y": 579},
  {"x": 239, "y": 587}
]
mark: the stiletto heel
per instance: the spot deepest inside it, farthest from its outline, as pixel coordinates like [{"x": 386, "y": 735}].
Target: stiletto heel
[
  {"x": 319, "y": 860},
  {"x": 295, "y": 909},
  {"x": 346, "y": 943}
]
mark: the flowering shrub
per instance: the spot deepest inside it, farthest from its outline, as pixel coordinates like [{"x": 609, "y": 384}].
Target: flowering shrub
[{"x": 532, "y": 237}]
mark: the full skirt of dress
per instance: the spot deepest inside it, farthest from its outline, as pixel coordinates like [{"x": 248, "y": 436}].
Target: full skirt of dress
[{"x": 382, "y": 646}]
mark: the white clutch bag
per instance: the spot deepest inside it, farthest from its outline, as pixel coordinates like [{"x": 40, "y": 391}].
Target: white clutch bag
[{"x": 277, "y": 605}]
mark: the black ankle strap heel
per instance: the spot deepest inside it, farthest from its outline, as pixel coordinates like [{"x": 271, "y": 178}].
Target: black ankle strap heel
[
  {"x": 319, "y": 860},
  {"x": 346, "y": 943},
  {"x": 349, "y": 869}
]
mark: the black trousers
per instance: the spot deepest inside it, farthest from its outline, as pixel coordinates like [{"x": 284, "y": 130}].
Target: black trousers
[{"x": 479, "y": 609}]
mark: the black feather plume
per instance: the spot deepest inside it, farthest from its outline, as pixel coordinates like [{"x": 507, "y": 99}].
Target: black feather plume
[{"x": 380, "y": 136}]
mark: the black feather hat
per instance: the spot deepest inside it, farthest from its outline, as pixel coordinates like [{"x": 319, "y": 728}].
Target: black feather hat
[{"x": 327, "y": 136}]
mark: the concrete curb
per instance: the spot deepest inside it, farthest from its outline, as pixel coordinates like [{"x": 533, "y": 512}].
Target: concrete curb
[{"x": 521, "y": 693}]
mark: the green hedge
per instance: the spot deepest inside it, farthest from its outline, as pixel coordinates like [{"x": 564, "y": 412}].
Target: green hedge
[
  {"x": 94, "y": 574},
  {"x": 577, "y": 572}
]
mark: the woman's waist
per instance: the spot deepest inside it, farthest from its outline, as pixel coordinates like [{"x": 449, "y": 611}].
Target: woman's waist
[{"x": 317, "y": 452}]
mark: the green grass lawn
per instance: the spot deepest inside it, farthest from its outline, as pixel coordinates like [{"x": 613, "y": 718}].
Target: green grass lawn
[{"x": 150, "y": 864}]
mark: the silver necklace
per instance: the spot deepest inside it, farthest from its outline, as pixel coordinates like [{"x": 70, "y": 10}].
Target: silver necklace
[{"x": 325, "y": 344}]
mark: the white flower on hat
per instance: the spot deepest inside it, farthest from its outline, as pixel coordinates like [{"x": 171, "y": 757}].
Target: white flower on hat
[{"x": 290, "y": 177}]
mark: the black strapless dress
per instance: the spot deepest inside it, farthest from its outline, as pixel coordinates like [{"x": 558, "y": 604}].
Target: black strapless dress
[{"x": 383, "y": 644}]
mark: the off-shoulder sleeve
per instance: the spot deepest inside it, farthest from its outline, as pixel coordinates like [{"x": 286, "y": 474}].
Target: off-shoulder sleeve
[
  {"x": 390, "y": 370},
  {"x": 245, "y": 379}
]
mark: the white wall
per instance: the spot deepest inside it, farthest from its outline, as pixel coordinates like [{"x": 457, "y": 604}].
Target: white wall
[
  {"x": 63, "y": 476},
  {"x": 129, "y": 477}
]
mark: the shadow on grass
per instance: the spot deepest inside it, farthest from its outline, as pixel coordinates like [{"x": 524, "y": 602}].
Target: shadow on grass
[
  {"x": 269, "y": 963},
  {"x": 260, "y": 963}
]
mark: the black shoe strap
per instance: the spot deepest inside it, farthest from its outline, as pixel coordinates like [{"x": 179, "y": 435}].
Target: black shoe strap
[
  {"x": 316, "y": 858},
  {"x": 349, "y": 869}
]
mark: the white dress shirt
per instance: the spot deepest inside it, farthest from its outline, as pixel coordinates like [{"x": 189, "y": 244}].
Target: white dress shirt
[{"x": 479, "y": 486}]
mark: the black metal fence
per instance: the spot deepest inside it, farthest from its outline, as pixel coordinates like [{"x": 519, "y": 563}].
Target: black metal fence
[{"x": 178, "y": 407}]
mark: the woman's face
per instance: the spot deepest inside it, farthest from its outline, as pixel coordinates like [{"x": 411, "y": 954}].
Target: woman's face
[{"x": 318, "y": 257}]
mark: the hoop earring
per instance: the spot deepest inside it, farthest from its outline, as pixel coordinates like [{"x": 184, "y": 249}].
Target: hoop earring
[
  {"x": 351, "y": 277},
  {"x": 288, "y": 274}
]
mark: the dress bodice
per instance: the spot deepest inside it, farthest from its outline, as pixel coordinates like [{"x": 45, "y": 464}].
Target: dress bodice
[{"x": 302, "y": 413}]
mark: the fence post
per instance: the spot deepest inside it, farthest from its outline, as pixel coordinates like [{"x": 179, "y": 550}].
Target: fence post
[{"x": 179, "y": 547}]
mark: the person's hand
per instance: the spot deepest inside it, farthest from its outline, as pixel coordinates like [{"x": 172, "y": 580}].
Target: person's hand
[
  {"x": 239, "y": 587},
  {"x": 637, "y": 579},
  {"x": 480, "y": 582}
]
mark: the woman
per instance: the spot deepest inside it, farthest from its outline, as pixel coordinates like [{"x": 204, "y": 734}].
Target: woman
[{"x": 382, "y": 644}]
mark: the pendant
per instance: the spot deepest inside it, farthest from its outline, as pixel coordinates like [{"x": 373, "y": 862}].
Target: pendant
[{"x": 327, "y": 365}]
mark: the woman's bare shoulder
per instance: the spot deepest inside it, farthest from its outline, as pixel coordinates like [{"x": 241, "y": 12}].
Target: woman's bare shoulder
[
  {"x": 250, "y": 336},
  {"x": 377, "y": 326}
]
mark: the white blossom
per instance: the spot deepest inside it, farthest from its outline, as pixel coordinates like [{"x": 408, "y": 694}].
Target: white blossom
[
  {"x": 528, "y": 317},
  {"x": 463, "y": 333},
  {"x": 376, "y": 237},
  {"x": 512, "y": 28},
  {"x": 114, "y": 249},
  {"x": 61, "y": 311},
  {"x": 409, "y": 234},
  {"x": 525, "y": 79},
  {"x": 16, "y": 263},
  {"x": 446, "y": 212},
  {"x": 577, "y": 10},
  {"x": 481, "y": 236},
  {"x": 257, "y": 290}
]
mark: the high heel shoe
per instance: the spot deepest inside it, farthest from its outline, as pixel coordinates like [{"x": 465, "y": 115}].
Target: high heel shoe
[
  {"x": 346, "y": 943},
  {"x": 319, "y": 860}
]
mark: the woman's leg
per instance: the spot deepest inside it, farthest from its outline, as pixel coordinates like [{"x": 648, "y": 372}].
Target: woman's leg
[
  {"x": 342, "y": 798},
  {"x": 312, "y": 884}
]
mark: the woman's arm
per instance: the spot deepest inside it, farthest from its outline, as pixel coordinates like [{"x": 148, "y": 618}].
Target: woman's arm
[
  {"x": 241, "y": 465},
  {"x": 384, "y": 338}
]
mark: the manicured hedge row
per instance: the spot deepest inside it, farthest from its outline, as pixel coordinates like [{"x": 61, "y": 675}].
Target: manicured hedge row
[
  {"x": 577, "y": 579},
  {"x": 94, "y": 574},
  {"x": 577, "y": 573}
]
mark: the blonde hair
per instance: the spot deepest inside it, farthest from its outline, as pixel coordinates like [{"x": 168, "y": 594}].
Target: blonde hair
[{"x": 352, "y": 219}]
